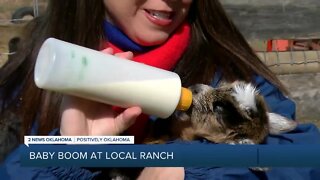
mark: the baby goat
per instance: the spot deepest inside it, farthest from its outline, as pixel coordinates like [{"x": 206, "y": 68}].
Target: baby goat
[{"x": 234, "y": 114}]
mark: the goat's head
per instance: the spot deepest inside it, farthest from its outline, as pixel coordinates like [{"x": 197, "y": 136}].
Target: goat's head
[{"x": 232, "y": 113}]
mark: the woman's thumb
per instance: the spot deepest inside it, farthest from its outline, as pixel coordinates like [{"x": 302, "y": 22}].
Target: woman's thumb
[{"x": 127, "y": 118}]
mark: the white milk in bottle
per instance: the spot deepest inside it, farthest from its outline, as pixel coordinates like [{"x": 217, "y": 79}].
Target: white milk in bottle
[{"x": 90, "y": 74}]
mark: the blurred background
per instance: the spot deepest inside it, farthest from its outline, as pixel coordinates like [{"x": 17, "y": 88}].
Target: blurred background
[{"x": 284, "y": 33}]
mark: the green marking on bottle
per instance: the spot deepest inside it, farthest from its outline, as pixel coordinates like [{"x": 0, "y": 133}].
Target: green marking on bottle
[
  {"x": 73, "y": 54},
  {"x": 84, "y": 62}
]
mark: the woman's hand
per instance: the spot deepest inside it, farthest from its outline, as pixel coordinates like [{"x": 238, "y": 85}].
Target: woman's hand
[
  {"x": 159, "y": 173},
  {"x": 85, "y": 117}
]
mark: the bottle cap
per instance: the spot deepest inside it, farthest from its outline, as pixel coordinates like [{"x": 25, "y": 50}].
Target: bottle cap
[{"x": 185, "y": 99}]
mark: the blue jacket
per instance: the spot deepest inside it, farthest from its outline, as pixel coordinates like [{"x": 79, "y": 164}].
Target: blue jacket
[{"x": 277, "y": 102}]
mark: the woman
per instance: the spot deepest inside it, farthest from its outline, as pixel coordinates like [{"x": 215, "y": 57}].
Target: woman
[{"x": 193, "y": 38}]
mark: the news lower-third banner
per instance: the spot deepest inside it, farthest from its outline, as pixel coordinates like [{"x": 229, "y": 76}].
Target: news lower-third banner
[{"x": 114, "y": 154}]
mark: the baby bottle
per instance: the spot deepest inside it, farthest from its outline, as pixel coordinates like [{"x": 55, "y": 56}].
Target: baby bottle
[{"x": 71, "y": 69}]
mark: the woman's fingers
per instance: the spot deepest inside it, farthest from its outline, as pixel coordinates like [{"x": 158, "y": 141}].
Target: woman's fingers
[
  {"x": 125, "y": 55},
  {"x": 127, "y": 118},
  {"x": 107, "y": 51}
]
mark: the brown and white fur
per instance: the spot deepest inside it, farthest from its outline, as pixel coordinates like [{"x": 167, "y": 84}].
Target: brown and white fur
[{"x": 234, "y": 113}]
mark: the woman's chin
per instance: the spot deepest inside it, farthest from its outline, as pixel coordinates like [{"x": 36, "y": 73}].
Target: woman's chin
[{"x": 151, "y": 41}]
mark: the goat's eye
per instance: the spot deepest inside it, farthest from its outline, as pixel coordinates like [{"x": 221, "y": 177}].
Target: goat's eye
[{"x": 251, "y": 113}]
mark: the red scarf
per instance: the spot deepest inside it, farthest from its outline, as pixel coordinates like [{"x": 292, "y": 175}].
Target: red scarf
[{"x": 165, "y": 57}]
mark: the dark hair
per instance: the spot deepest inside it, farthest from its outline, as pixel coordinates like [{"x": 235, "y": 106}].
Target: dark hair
[{"x": 215, "y": 43}]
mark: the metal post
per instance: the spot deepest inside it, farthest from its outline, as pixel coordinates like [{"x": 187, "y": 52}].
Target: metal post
[{"x": 35, "y": 8}]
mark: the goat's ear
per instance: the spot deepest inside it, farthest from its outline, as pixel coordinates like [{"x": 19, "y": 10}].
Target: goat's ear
[{"x": 279, "y": 124}]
